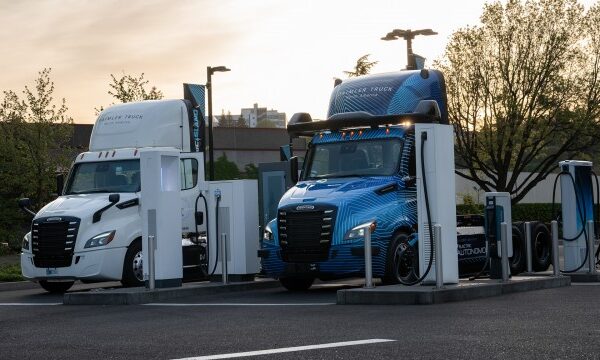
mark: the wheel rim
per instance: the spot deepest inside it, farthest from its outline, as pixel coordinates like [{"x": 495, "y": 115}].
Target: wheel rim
[
  {"x": 138, "y": 270},
  {"x": 403, "y": 262}
]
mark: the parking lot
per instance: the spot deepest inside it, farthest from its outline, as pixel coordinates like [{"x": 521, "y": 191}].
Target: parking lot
[{"x": 275, "y": 324}]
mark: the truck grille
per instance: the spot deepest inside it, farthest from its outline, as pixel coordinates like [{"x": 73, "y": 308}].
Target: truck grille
[
  {"x": 305, "y": 235},
  {"x": 53, "y": 240}
]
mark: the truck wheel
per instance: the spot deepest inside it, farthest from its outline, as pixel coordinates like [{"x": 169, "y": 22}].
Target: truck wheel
[
  {"x": 56, "y": 287},
  {"x": 296, "y": 284},
  {"x": 518, "y": 261},
  {"x": 541, "y": 247},
  {"x": 133, "y": 272},
  {"x": 402, "y": 263}
]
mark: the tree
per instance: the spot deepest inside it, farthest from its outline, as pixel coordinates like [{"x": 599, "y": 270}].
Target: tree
[
  {"x": 241, "y": 122},
  {"x": 523, "y": 91},
  {"x": 34, "y": 145},
  {"x": 363, "y": 66},
  {"x": 251, "y": 171},
  {"x": 129, "y": 88},
  {"x": 225, "y": 169}
]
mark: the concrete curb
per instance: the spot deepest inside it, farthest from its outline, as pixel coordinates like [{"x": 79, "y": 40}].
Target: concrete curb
[
  {"x": 584, "y": 277},
  {"x": 134, "y": 296},
  {"x": 426, "y": 295}
]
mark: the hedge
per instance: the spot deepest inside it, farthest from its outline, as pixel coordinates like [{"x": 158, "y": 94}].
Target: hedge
[{"x": 520, "y": 212}]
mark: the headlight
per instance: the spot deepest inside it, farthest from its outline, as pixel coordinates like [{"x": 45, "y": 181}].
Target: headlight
[
  {"x": 268, "y": 234},
  {"x": 358, "y": 232},
  {"x": 100, "y": 239},
  {"x": 26, "y": 241}
]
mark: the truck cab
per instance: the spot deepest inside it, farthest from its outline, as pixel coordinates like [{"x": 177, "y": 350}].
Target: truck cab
[
  {"x": 359, "y": 168},
  {"x": 92, "y": 231}
]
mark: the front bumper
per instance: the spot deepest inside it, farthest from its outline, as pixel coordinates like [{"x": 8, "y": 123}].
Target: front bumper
[
  {"x": 101, "y": 264},
  {"x": 345, "y": 260}
]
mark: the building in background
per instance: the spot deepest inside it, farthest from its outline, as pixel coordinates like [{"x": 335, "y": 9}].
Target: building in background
[{"x": 262, "y": 118}]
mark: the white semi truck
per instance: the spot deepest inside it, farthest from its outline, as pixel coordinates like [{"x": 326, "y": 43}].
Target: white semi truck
[{"x": 92, "y": 231}]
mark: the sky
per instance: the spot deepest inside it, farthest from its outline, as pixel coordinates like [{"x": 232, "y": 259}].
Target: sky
[{"x": 283, "y": 55}]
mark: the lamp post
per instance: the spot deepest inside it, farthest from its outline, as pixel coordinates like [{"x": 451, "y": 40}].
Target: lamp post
[
  {"x": 408, "y": 35},
  {"x": 211, "y": 161}
]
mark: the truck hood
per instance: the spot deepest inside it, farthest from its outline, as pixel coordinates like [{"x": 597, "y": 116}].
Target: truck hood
[
  {"x": 332, "y": 188},
  {"x": 80, "y": 205}
]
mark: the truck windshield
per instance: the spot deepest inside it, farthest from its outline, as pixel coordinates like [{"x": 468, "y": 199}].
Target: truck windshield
[
  {"x": 380, "y": 157},
  {"x": 104, "y": 176}
]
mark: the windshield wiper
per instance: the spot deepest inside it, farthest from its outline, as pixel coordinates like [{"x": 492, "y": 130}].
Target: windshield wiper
[{"x": 94, "y": 191}]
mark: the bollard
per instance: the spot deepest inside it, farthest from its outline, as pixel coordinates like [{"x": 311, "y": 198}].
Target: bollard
[
  {"x": 555, "y": 263},
  {"x": 528, "y": 246},
  {"x": 439, "y": 276},
  {"x": 504, "y": 250},
  {"x": 151, "y": 268},
  {"x": 224, "y": 275},
  {"x": 590, "y": 240},
  {"x": 368, "y": 258}
]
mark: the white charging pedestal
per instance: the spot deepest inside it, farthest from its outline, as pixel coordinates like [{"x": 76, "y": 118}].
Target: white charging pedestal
[
  {"x": 237, "y": 224},
  {"x": 161, "y": 215},
  {"x": 439, "y": 170},
  {"x": 577, "y": 208}
]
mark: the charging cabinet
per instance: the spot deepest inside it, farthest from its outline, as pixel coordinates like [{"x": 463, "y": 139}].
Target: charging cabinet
[
  {"x": 161, "y": 214},
  {"x": 238, "y": 220},
  {"x": 577, "y": 208},
  {"x": 439, "y": 170}
]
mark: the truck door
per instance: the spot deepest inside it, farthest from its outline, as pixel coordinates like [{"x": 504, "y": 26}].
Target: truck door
[{"x": 192, "y": 177}]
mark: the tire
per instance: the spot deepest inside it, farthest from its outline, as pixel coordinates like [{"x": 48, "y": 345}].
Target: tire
[
  {"x": 402, "y": 261},
  {"x": 133, "y": 274},
  {"x": 296, "y": 284},
  {"x": 541, "y": 247},
  {"x": 518, "y": 261},
  {"x": 56, "y": 287}
]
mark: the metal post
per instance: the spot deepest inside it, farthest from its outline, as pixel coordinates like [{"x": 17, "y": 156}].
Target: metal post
[
  {"x": 151, "y": 273},
  {"x": 528, "y": 246},
  {"x": 590, "y": 240},
  {"x": 504, "y": 249},
  {"x": 555, "y": 263},
  {"x": 224, "y": 275},
  {"x": 368, "y": 263},
  {"x": 211, "y": 160},
  {"x": 439, "y": 276}
]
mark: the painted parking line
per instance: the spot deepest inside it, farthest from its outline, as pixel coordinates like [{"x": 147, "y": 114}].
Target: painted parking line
[
  {"x": 239, "y": 304},
  {"x": 289, "y": 349},
  {"x": 29, "y": 304}
]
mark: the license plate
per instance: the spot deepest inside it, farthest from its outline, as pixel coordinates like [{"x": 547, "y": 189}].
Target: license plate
[{"x": 51, "y": 271}]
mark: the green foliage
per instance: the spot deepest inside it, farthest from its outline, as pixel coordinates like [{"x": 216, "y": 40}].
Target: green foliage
[
  {"x": 523, "y": 90},
  {"x": 363, "y": 66},
  {"x": 225, "y": 169},
  {"x": 34, "y": 146},
  {"x": 251, "y": 171},
  {"x": 10, "y": 273},
  {"x": 129, "y": 88},
  {"x": 520, "y": 212}
]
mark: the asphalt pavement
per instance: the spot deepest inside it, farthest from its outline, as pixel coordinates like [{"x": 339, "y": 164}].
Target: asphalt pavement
[{"x": 553, "y": 323}]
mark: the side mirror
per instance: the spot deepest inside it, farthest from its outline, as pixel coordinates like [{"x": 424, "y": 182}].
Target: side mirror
[
  {"x": 60, "y": 184},
  {"x": 114, "y": 198},
  {"x": 199, "y": 218},
  {"x": 285, "y": 152},
  {"x": 24, "y": 204},
  {"x": 294, "y": 169}
]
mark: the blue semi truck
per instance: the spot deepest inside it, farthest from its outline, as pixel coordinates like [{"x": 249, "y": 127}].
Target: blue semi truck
[{"x": 360, "y": 167}]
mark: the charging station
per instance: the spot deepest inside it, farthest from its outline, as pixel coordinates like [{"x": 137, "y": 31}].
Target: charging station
[
  {"x": 233, "y": 210},
  {"x": 497, "y": 211},
  {"x": 577, "y": 208},
  {"x": 161, "y": 215},
  {"x": 438, "y": 148}
]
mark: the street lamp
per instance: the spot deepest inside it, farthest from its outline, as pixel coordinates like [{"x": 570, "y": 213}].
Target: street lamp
[
  {"x": 408, "y": 35},
  {"x": 211, "y": 160}
]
